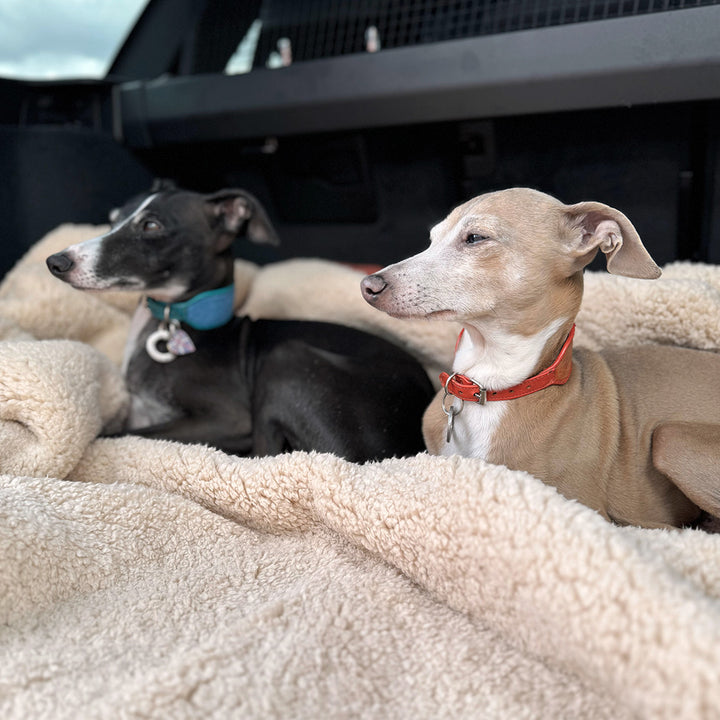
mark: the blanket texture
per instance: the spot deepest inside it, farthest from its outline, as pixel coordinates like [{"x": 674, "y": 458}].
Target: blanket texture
[{"x": 153, "y": 579}]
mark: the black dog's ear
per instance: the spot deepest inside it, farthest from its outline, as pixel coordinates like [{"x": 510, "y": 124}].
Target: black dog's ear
[
  {"x": 162, "y": 185},
  {"x": 235, "y": 208}
]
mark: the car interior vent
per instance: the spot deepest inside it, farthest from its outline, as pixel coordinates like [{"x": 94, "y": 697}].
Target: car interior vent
[{"x": 297, "y": 30}]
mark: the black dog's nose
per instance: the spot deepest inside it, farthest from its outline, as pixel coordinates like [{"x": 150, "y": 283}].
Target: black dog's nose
[
  {"x": 372, "y": 286},
  {"x": 59, "y": 263}
]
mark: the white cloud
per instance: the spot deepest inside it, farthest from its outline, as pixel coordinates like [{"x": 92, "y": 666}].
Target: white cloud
[
  {"x": 62, "y": 38},
  {"x": 49, "y": 66}
]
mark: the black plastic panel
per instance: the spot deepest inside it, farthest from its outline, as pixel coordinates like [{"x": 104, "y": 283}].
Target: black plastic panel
[
  {"x": 53, "y": 175},
  {"x": 398, "y": 182},
  {"x": 660, "y": 57}
]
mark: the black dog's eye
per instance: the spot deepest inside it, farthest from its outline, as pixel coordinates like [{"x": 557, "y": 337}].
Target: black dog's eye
[
  {"x": 473, "y": 238},
  {"x": 151, "y": 226}
]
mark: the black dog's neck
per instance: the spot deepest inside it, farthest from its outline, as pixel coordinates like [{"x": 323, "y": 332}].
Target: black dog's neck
[
  {"x": 208, "y": 307},
  {"x": 222, "y": 275}
]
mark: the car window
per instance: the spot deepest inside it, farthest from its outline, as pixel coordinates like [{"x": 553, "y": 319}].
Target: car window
[
  {"x": 59, "y": 39},
  {"x": 242, "y": 59}
]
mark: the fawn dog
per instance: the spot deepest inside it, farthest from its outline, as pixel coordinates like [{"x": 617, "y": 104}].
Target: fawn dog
[{"x": 632, "y": 433}]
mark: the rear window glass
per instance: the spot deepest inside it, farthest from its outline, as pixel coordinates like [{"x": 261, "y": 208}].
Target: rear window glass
[{"x": 63, "y": 39}]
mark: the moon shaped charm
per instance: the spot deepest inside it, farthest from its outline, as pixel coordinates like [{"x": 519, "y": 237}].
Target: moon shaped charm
[{"x": 161, "y": 335}]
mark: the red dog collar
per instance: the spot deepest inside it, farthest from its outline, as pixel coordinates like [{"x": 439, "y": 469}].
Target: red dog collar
[{"x": 557, "y": 374}]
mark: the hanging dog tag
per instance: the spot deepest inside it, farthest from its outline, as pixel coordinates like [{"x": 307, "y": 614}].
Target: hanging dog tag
[
  {"x": 161, "y": 335},
  {"x": 177, "y": 342},
  {"x": 180, "y": 342},
  {"x": 450, "y": 422},
  {"x": 451, "y": 411}
]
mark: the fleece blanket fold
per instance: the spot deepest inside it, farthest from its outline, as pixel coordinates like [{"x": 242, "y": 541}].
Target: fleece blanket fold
[{"x": 154, "y": 579}]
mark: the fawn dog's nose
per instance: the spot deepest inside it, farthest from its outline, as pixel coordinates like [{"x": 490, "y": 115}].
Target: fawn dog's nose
[
  {"x": 372, "y": 286},
  {"x": 60, "y": 263}
]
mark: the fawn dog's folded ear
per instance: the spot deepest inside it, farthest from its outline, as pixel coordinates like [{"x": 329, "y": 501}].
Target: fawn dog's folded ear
[
  {"x": 236, "y": 209},
  {"x": 592, "y": 226}
]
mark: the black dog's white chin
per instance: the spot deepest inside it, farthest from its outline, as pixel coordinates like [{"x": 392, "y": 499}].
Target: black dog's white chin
[
  {"x": 100, "y": 285},
  {"x": 166, "y": 293}
]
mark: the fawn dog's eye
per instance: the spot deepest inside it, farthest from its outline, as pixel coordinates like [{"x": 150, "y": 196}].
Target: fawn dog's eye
[
  {"x": 474, "y": 238},
  {"x": 151, "y": 226}
]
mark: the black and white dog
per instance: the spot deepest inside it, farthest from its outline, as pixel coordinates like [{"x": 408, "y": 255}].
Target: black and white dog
[{"x": 196, "y": 373}]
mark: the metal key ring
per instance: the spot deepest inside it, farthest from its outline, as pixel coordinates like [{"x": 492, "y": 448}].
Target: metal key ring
[{"x": 451, "y": 410}]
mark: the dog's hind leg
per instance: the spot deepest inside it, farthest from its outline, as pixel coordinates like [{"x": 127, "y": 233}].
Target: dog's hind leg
[
  {"x": 689, "y": 455},
  {"x": 197, "y": 430},
  {"x": 270, "y": 437}
]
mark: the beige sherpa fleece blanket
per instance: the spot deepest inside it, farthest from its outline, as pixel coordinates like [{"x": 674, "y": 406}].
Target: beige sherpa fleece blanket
[{"x": 150, "y": 579}]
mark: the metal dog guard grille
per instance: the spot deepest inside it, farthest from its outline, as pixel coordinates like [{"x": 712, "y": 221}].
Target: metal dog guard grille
[{"x": 328, "y": 28}]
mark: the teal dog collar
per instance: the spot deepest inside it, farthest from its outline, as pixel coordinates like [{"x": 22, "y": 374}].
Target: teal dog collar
[{"x": 206, "y": 311}]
